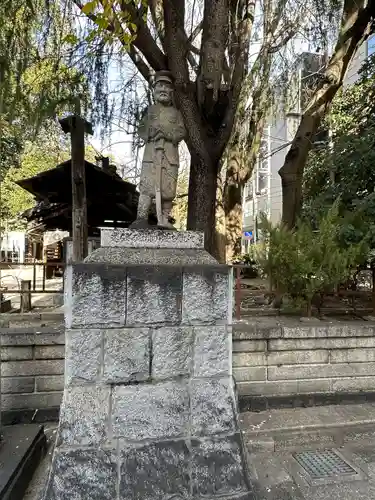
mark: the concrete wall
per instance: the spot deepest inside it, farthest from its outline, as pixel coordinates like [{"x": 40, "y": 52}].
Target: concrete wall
[
  {"x": 289, "y": 360},
  {"x": 32, "y": 361}
]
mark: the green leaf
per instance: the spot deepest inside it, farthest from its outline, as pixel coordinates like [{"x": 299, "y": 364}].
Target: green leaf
[
  {"x": 89, "y": 7},
  {"x": 71, "y": 39}
]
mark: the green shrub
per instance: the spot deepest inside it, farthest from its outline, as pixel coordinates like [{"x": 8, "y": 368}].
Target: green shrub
[
  {"x": 247, "y": 259},
  {"x": 304, "y": 263}
]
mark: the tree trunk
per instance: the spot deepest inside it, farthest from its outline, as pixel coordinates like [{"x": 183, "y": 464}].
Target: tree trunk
[
  {"x": 202, "y": 198},
  {"x": 220, "y": 228},
  {"x": 233, "y": 220},
  {"x": 356, "y": 23}
]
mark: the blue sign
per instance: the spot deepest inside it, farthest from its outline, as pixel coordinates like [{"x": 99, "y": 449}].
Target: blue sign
[{"x": 248, "y": 234}]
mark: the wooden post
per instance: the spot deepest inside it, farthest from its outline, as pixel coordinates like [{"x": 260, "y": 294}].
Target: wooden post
[
  {"x": 25, "y": 296},
  {"x": 77, "y": 127}
]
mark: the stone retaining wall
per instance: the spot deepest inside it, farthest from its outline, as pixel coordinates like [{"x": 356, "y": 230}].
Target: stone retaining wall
[
  {"x": 32, "y": 361},
  {"x": 271, "y": 359},
  {"x": 268, "y": 359}
]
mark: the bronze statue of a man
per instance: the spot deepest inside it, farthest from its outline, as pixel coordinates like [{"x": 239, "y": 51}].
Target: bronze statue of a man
[{"x": 162, "y": 129}]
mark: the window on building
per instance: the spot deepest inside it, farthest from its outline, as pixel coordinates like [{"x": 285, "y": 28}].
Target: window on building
[
  {"x": 371, "y": 45},
  {"x": 248, "y": 192},
  {"x": 248, "y": 209},
  {"x": 263, "y": 167}
]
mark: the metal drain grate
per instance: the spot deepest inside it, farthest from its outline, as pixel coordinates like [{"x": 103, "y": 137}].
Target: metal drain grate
[{"x": 323, "y": 464}]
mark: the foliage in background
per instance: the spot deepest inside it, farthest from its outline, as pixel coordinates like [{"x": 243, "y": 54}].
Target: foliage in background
[
  {"x": 35, "y": 81},
  {"x": 304, "y": 262},
  {"x": 344, "y": 170}
]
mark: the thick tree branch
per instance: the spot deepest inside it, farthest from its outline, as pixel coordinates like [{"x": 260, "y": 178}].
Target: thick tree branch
[
  {"x": 245, "y": 18},
  {"x": 140, "y": 64},
  {"x": 157, "y": 18},
  {"x": 185, "y": 95},
  {"x": 356, "y": 25},
  {"x": 214, "y": 42}
]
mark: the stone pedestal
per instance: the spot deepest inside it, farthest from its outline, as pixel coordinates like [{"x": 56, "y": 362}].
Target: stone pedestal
[{"x": 149, "y": 410}]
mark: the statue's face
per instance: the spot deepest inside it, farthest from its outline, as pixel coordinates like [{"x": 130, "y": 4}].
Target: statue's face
[{"x": 163, "y": 92}]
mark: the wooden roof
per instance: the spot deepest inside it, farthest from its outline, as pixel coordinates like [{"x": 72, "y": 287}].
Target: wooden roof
[{"x": 108, "y": 197}]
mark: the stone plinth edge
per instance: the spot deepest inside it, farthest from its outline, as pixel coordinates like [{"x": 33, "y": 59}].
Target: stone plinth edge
[{"x": 151, "y": 238}]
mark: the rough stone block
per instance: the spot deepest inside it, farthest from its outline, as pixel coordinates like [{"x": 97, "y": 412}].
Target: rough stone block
[
  {"x": 211, "y": 351},
  {"x": 33, "y": 401},
  {"x": 326, "y": 331},
  {"x": 320, "y": 343},
  {"x": 84, "y": 475},
  {"x": 50, "y": 383},
  {"x": 205, "y": 295},
  {"x": 212, "y": 406},
  {"x": 249, "y": 374},
  {"x": 297, "y": 357},
  {"x": 16, "y": 339},
  {"x": 13, "y": 385},
  {"x": 155, "y": 471},
  {"x": 50, "y": 352},
  {"x": 249, "y": 346},
  {"x": 353, "y": 384},
  {"x": 172, "y": 352},
  {"x": 96, "y": 295},
  {"x": 217, "y": 467},
  {"x": 248, "y": 359},
  {"x": 126, "y": 355},
  {"x": 257, "y": 331},
  {"x": 27, "y": 368},
  {"x": 154, "y": 295},
  {"x": 133, "y": 238},
  {"x": 150, "y": 411},
  {"x": 352, "y": 355},
  {"x": 298, "y": 372},
  {"x": 292, "y": 387},
  {"x": 84, "y": 415},
  {"x": 16, "y": 353},
  {"x": 83, "y": 355},
  {"x": 51, "y": 337}
]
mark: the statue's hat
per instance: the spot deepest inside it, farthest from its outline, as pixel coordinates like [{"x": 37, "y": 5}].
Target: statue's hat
[{"x": 163, "y": 76}]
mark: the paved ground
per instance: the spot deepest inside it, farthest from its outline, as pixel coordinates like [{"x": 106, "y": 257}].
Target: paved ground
[
  {"x": 274, "y": 437},
  {"x": 278, "y": 476}
]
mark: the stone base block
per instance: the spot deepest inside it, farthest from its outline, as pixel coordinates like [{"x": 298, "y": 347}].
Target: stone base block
[
  {"x": 149, "y": 409},
  {"x": 164, "y": 470}
]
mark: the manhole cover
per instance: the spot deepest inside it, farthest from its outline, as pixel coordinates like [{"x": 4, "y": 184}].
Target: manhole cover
[{"x": 324, "y": 464}]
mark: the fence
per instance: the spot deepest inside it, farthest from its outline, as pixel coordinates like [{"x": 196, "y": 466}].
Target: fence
[{"x": 24, "y": 281}]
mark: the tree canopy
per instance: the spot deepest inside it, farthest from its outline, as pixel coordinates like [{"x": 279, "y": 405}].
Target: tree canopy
[{"x": 344, "y": 169}]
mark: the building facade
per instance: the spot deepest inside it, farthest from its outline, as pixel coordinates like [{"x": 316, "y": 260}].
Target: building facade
[{"x": 263, "y": 192}]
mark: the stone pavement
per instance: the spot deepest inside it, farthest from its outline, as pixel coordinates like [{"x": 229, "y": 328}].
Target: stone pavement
[
  {"x": 277, "y": 476},
  {"x": 275, "y": 437}
]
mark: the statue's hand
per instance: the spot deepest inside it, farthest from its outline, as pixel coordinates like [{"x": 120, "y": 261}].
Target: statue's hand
[{"x": 158, "y": 135}]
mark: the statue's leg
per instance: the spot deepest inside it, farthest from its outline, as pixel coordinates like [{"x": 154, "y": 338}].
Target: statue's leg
[{"x": 144, "y": 204}]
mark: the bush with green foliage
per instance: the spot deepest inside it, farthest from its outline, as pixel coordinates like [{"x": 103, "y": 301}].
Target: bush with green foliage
[
  {"x": 247, "y": 259},
  {"x": 305, "y": 263}
]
